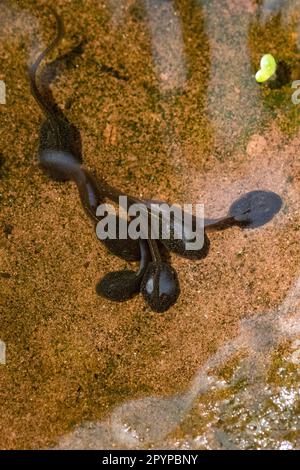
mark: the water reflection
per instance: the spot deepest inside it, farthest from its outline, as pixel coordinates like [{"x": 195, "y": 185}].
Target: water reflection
[{"x": 167, "y": 44}]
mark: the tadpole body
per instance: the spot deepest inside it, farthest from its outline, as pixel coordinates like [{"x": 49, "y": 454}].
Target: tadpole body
[
  {"x": 256, "y": 208},
  {"x": 59, "y": 153},
  {"x": 59, "y": 165},
  {"x": 160, "y": 286},
  {"x": 182, "y": 230},
  {"x": 123, "y": 285}
]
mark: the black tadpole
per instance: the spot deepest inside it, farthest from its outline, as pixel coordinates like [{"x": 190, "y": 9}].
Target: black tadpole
[
  {"x": 160, "y": 286},
  {"x": 256, "y": 208},
  {"x": 123, "y": 285}
]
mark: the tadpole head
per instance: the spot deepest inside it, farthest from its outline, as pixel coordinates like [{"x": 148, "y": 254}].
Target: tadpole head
[
  {"x": 256, "y": 208},
  {"x": 123, "y": 285},
  {"x": 160, "y": 286},
  {"x": 119, "y": 285}
]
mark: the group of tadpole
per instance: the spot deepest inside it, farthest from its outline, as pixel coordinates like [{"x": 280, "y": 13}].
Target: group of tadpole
[{"x": 60, "y": 158}]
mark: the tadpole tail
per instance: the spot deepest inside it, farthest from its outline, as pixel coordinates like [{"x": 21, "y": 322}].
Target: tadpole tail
[
  {"x": 223, "y": 223},
  {"x": 145, "y": 258},
  {"x": 219, "y": 224},
  {"x": 32, "y": 69}
]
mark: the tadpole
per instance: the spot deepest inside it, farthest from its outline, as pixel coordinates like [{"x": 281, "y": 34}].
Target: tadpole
[
  {"x": 160, "y": 286},
  {"x": 176, "y": 235},
  {"x": 123, "y": 285},
  {"x": 256, "y": 208}
]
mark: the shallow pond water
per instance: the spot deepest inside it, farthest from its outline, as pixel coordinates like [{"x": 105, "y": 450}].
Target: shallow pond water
[{"x": 165, "y": 99}]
